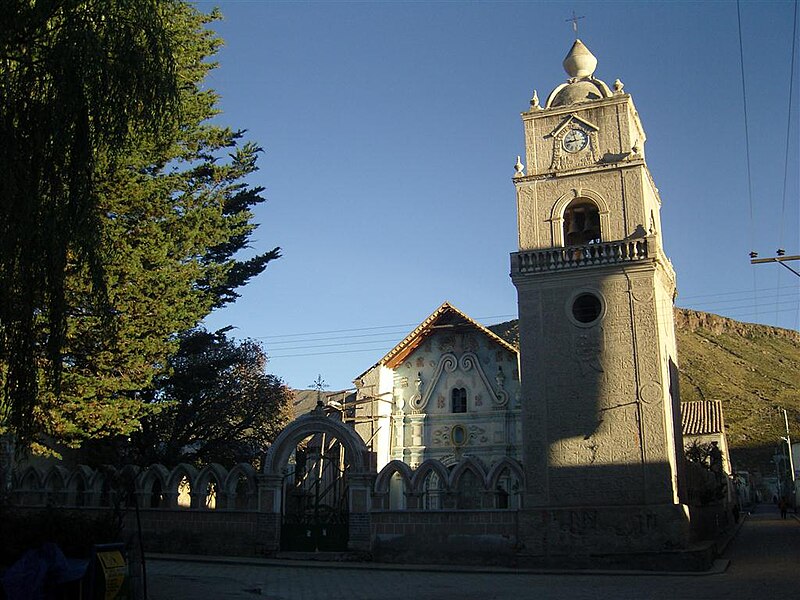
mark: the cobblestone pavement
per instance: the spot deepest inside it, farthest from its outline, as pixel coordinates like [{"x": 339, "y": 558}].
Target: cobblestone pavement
[{"x": 764, "y": 563}]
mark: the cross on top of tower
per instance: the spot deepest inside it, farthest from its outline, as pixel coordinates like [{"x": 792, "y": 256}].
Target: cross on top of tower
[{"x": 575, "y": 18}]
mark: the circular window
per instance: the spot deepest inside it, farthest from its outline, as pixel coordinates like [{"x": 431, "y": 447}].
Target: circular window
[{"x": 586, "y": 308}]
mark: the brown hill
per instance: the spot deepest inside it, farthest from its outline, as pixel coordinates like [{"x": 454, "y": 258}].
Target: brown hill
[{"x": 753, "y": 369}]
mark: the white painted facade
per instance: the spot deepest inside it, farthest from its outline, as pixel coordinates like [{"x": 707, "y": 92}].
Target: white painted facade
[{"x": 450, "y": 389}]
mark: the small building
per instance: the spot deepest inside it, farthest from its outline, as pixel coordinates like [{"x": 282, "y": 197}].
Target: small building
[
  {"x": 449, "y": 389},
  {"x": 702, "y": 422}
]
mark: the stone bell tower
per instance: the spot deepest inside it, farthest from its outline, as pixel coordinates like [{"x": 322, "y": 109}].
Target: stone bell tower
[{"x": 601, "y": 424}]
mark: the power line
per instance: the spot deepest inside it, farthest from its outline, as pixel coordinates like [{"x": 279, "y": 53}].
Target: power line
[
  {"x": 730, "y": 293},
  {"x": 786, "y": 154},
  {"x": 338, "y": 345},
  {"x": 788, "y": 298},
  {"x": 382, "y": 349},
  {"x": 337, "y": 337},
  {"x": 271, "y": 337},
  {"x": 788, "y": 125}
]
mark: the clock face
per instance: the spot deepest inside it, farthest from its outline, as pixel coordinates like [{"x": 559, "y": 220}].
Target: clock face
[{"x": 575, "y": 140}]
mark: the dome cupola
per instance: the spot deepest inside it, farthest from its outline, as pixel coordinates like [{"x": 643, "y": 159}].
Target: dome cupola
[{"x": 581, "y": 86}]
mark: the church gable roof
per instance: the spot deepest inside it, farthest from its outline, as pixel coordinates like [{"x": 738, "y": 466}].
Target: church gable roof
[{"x": 446, "y": 316}]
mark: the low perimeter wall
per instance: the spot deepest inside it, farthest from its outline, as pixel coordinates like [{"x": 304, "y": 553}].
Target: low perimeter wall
[
  {"x": 487, "y": 537},
  {"x": 227, "y": 533}
]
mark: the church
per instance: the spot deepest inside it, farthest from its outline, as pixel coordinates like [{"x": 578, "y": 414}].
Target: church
[
  {"x": 589, "y": 407},
  {"x": 559, "y": 444},
  {"x": 595, "y": 303}
]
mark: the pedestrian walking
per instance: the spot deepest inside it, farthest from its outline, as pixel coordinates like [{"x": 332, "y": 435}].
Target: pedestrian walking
[{"x": 782, "y": 506}]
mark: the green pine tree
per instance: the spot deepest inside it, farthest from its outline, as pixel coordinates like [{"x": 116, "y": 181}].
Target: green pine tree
[{"x": 170, "y": 212}]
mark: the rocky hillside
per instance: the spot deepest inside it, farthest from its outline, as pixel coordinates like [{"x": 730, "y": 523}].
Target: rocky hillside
[{"x": 753, "y": 369}]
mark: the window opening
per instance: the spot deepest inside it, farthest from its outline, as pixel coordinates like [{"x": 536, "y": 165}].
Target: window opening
[
  {"x": 459, "y": 396},
  {"x": 586, "y": 308}
]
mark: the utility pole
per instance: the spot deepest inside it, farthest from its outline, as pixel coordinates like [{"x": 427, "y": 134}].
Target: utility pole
[
  {"x": 788, "y": 441},
  {"x": 780, "y": 259}
]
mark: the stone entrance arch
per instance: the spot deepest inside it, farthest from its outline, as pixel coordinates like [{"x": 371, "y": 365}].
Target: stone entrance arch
[{"x": 361, "y": 473}]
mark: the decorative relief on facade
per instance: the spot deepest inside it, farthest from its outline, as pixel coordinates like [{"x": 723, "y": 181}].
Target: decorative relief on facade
[
  {"x": 500, "y": 378},
  {"x": 587, "y": 348},
  {"x": 591, "y": 448},
  {"x": 447, "y": 364},
  {"x": 416, "y": 399},
  {"x": 468, "y": 362},
  {"x": 440, "y": 401},
  {"x": 402, "y": 382},
  {"x": 478, "y": 400},
  {"x": 470, "y": 342},
  {"x": 525, "y": 195},
  {"x": 447, "y": 343},
  {"x": 473, "y": 435},
  {"x": 420, "y": 362},
  {"x": 642, "y": 292},
  {"x": 650, "y": 392}
]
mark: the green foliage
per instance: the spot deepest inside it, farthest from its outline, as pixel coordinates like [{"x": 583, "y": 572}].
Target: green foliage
[
  {"x": 706, "y": 455},
  {"x": 170, "y": 212},
  {"x": 76, "y": 79},
  {"x": 217, "y": 404}
]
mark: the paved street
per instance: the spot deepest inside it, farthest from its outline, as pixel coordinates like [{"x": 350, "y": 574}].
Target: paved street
[{"x": 764, "y": 563}]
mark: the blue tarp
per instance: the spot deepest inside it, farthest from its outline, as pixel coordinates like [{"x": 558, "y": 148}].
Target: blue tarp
[{"x": 38, "y": 574}]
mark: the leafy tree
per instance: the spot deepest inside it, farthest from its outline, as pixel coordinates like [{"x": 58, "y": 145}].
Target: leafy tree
[
  {"x": 170, "y": 211},
  {"x": 217, "y": 404},
  {"x": 76, "y": 79},
  {"x": 706, "y": 479}
]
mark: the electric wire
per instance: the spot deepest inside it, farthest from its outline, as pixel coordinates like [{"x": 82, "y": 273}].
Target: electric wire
[
  {"x": 786, "y": 154},
  {"x": 739, "y": 311},
  {"x": 384, "y": 349},
  {"x": 788, "y": 127},
  {"x": 732, "y": 303}
]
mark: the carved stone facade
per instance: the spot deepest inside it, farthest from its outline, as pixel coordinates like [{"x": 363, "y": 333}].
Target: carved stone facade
[
  {"x": 448, "y": 390},
  {"x": 597, "y": 343}
]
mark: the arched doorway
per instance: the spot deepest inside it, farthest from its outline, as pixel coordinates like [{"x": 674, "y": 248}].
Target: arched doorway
[
  {"x": 315, "y": 507},
  {"x": 320, "y": 474}
]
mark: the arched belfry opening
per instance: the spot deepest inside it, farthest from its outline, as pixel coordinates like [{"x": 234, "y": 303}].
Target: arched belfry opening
[{"x": 582, "y": 223}]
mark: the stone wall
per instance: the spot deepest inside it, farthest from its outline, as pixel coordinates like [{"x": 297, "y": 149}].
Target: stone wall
[
  {"x": 468, "y": 526},
  {"x": 175, "y": 531},
  {"x": 486, "y": 537}
]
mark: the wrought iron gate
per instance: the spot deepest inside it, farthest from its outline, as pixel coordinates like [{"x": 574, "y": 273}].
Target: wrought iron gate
[{"x": 315, "y": 507}]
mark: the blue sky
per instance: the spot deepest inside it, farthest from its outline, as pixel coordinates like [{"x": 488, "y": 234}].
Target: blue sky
[{"x": 390, "y": 131}]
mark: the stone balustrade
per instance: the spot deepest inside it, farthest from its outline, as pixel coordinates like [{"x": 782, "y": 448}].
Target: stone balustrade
[{"x": 573, "y": 257}]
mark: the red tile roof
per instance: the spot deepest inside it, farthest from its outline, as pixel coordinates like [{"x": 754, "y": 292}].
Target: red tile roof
[{"x": 702, "y": 417}]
